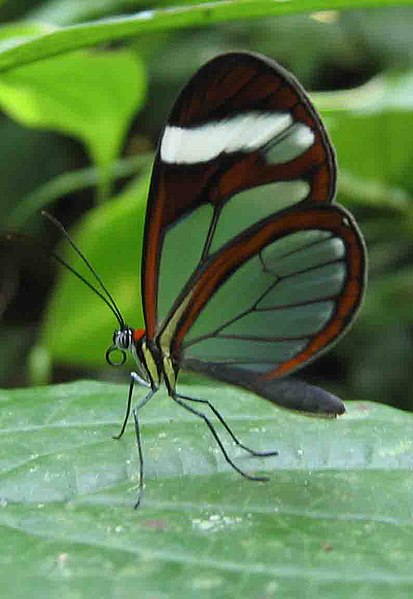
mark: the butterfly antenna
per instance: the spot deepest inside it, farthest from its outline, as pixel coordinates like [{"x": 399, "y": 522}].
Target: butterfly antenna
[
  {"x": 60, "y": 260},
  {"x": 110, "y": 299}
]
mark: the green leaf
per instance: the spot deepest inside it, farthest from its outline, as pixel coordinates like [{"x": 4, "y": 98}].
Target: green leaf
[
  {"x": 370, "y": 128},
  {"x": 91, "y": 96},
  {"x": 334, "y": 520},
  {"x": 62, "y": 12},
  {"x": 394, "y": 290},
  {"x": 16, "y": 33},
  {"x": 78, "y": 326},
  {"x": 179, "y": 17},
  {"x": 372, "y": 194}
]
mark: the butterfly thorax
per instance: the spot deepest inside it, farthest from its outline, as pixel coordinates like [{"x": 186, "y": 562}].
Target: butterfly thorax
[{"x": 152, "y": 364}]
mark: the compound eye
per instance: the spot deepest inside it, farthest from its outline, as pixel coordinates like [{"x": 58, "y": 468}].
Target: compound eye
[{"x": 109, "y": 356}]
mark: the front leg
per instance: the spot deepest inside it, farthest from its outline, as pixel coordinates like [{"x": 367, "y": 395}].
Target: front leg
[{"x": 135, "y": 378}]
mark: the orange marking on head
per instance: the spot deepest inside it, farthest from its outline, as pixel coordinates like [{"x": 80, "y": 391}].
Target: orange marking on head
[{"x": 138, "y": 334}]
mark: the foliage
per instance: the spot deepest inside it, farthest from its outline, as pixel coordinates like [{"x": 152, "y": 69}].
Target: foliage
[
  {"x": 334, "y": 519},
  {"x": 153, "y": 21},
  {"x": 78, "y": 139},
  {"x": 92, "y": 96}
]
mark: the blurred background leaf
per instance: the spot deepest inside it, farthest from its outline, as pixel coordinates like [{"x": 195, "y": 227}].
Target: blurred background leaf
[
  {"x": 91, "y": 96},
  {"x": 181, "y": 16},
  {"x": 76, "y": 332},
  {"x": 369, "y": 126}
]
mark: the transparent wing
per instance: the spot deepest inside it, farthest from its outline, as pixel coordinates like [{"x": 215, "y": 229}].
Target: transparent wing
[
  {"x": 242, "y": 142},
  {"x": 275, "y": 297}
]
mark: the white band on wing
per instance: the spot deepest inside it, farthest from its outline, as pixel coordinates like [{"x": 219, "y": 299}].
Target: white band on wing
[{"x": 245, "y": 132}]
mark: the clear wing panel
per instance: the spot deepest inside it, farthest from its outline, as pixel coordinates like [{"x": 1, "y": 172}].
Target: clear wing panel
[
  {"x": 305, "y": 286},
  {"x": 230, "y": 351},
  {"x": 248, "y": 207},
  {"x": 182, "y": 251},
  {"x": 286, "y": 292},
  {"x": 278, "y": 308},
  {"x": 295, "y": 321}
]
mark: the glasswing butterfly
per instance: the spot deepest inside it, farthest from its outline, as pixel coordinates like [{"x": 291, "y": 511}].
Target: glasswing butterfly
[{"x": 273, "y": 272}]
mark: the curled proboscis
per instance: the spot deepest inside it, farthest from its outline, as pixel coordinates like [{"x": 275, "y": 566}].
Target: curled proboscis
[{"x": 110, "y": 353}]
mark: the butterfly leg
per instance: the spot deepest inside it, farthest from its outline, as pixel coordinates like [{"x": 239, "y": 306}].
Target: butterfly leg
[
  {"x": 139, "y": 443},
  {"x": 209, "y": 424},
  {"x": 228, "y": 429},
  {"x": 140, "y": 456},
  {"x": 261, "y": 454},
  {"x": 134, "y": 378}
]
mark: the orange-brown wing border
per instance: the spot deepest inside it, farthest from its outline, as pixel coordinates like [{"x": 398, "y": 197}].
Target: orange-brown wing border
[{"x": 215, "y": 272}]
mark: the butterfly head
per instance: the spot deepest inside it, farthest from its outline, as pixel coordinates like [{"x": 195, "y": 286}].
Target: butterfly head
[{"x": 124, "y": 340}]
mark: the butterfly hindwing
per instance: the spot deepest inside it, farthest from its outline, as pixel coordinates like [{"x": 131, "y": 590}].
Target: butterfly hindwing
[{"x": 274, "y": 298}]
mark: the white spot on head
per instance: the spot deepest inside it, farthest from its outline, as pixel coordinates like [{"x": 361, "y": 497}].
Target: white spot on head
[{"x": 245, "y": 132}]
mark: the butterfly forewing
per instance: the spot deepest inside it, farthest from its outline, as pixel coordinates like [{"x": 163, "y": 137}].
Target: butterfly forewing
[{"x": 242, "y": 143}]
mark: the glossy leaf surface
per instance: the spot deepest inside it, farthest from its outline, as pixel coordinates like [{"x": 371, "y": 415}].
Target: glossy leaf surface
[{"x": 334, "y": 519}]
